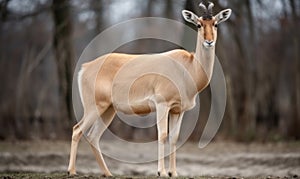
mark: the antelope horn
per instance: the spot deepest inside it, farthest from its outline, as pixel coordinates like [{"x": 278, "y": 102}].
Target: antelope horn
[
  {"x": 203, "y": 7},
  {"x": 210, "y": 6}
]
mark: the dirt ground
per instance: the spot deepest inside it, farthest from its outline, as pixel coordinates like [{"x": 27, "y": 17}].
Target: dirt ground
[{"x": 44, "y": 159}]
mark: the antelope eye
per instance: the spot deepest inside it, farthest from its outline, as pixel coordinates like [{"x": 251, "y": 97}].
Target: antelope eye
[
  {"x": 216, "y": 25},
  {"x": 198, "y": 25}
]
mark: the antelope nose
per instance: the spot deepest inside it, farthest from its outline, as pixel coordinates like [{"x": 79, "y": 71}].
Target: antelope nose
[{"x": 209, "y": 42}]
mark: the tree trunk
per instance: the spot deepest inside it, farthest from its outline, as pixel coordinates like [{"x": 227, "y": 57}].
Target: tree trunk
[
  {"x": 64, "y": 57},
  {"x": 296, "y": 99}
]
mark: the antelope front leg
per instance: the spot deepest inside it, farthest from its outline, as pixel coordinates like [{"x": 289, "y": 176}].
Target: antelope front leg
[
  {"x": 174, "y": 129},
  {"x": 162, "y": 128}
]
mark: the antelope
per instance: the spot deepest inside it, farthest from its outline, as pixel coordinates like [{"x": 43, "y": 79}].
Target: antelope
[{"x": 124, "y": 82}]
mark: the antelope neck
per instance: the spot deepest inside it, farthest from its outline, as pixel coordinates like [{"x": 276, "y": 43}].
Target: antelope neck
[{"x": 206, "y": 56}]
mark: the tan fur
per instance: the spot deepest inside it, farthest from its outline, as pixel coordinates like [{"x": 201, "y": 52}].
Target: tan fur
[
  {"x": 110, "y": 66},
  {"x": 208, "y": 28}
]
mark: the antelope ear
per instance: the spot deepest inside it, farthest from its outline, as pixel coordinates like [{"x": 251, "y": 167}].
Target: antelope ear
[
  {"x": 223, "y": 15},
  {"x": 190, "y": 16}
]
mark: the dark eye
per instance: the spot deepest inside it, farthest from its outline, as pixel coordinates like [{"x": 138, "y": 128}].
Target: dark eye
[
  {"x": 198, "y": 25},
  {"x": 216, "y": 25}
]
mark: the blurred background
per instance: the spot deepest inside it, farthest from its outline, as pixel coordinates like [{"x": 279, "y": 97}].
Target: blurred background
[{"x": 41, "y": 41}]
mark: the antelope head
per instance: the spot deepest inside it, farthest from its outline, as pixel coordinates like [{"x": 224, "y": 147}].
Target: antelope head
[{"x": 207, "y": 24}]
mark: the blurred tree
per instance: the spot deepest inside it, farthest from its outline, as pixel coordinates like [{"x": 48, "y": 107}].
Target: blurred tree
[
  {"x": 98, "y": 6},
  {"x": 3, "y": 9},
  {"x": 64, "y": 57},
  {"x": 296, "y": 92}
]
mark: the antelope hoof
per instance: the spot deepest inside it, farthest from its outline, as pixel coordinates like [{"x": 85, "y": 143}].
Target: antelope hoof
[
  {"x": 162, "y": 174},
  {"x": 173, "y": 174},
  {"x": 72, "y": 173},
  {"x": 107, "y": 175}
]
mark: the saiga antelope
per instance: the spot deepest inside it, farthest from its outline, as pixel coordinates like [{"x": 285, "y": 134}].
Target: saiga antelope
[{"x": 103, "y": 82}]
